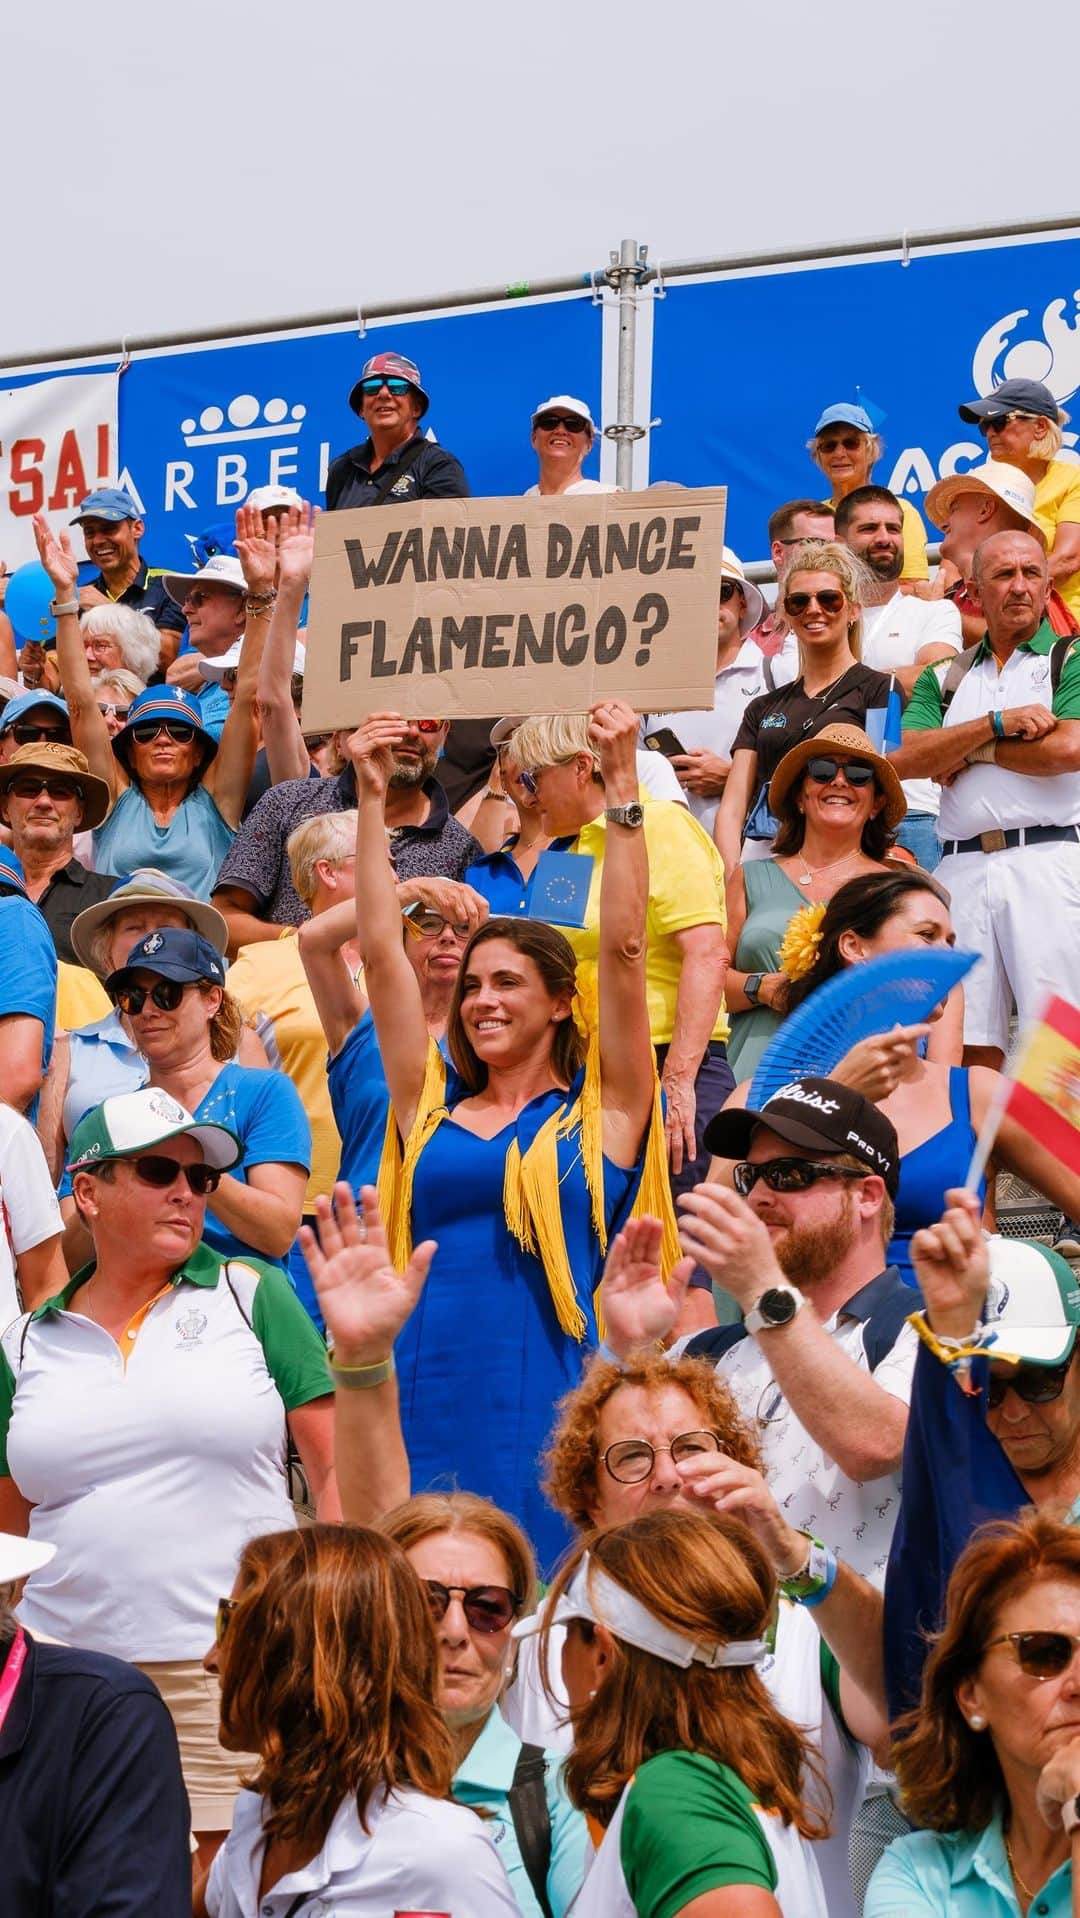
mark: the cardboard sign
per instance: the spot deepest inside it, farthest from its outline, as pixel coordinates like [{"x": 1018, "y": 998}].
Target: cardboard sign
[{"x": 456, "y": 609}]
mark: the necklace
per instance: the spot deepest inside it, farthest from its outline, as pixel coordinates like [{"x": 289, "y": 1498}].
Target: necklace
[
  {"x": 810, "y": 873},
  {"x": 1026, "y": 1889}
]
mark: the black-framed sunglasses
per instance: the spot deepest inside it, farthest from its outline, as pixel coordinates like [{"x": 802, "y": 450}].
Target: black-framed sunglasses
[
  {"x": 488, "y": 1608},
  {"x": 225, "y": 1609},
  {"x": 728, "y": 590},
  {"x": 996, "y": 422},
  {"x": 831, "y": 600},
  {"x": 1035, "y": 1384},
  {"x": 375, "y": 384},
  {"x": 630, "y": 1461},
  {"x": 29, "y": 785},
  {"x": 824, "y": 770},
  {"x": 1040, "y": 1655},
  {"x": 549, "y": 422},
  {"x": 27, "y": 734},
  {"x": 145, "y": 731},
  {"x": 166, "y": 995},
  {"x": 788, "y": 1175},
  {"x": 159, "y": 1170}
]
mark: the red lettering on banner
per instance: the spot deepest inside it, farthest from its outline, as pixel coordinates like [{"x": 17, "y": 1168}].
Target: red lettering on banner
[
  {"x": 26, "y": 458},
  {"x": 71, "y": 484},
  {"x": 104, "y": 466}
]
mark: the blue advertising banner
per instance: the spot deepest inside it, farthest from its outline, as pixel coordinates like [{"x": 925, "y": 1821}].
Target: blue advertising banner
[{"x": 744, "y": 366}]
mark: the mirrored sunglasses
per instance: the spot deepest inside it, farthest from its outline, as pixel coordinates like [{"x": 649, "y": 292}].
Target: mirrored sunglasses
[
  {"x": 488, "y": 1608},
  {"x": 788, "y": 1175},
  {"x": 376, "y": 383}
]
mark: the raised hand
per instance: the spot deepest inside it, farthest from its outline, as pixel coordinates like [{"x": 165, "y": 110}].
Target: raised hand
[
  {"x": 364, "y": 1300},
  {"x": 257, "y": 543},
  {"x": 952, "y": 1266},
  {"x": 726, "y": 1236},
  {"x": 876, "y": 1065},
  {"x": 371, "y": 749},
  {"x": 613, "y": 732},
  {"x": 743, "y": 1493},
  {"x": 638, "y": 1308},
  {"x": 462, "y": 905},
  {"x": 296, "y": 545},
  {"x": 57, "y": 558}
]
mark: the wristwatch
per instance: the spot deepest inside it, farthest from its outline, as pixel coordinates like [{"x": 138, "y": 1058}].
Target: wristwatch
[
  {"x": 631, "y": 815},
  {"x": 1070, "y": 1815},
  {"x": 58, "y": 606},
  {"x": 777, "y": 1306},
  {"x": 814, "y": 1576},
  {"x": 752, "y": 986}
]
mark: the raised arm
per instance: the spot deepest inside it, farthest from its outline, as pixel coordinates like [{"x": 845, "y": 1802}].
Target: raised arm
[
  {"x": 339, "y": 1001},
  {"x": 392, "y": 987},
  {"x": 88, "y": 729},
  {"x": 627, "y": 1061},
  {"x": 229, "y": 774},
  {"x": 286, "y": 753}
]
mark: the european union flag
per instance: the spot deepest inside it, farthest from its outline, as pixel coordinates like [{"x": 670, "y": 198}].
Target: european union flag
[{"x": 560, "y": 888}]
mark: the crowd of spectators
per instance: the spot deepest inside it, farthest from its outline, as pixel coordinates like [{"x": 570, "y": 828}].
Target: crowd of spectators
[{"x": 397, "y": 1217}]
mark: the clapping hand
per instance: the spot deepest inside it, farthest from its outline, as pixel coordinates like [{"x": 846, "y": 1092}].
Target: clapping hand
[
  {"x": 364, "y": 1300},
  {"x": 638, "y": 1308},
  {"x": 257, "y": 544},
  {"x": 296, "y": 545},
  {"x": 371, "y": 749},
  {"x": 725, "y": 1235},
  {"x": 57, "y": 558}
]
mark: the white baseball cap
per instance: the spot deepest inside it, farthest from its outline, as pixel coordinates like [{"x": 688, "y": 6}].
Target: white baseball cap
[
  {"x": 1032, "y": 1302},
  {"x": 221, "y": 569},
  {"x": 996, "y": 477},
  {"x": 568, "y": 404},
  {"x": 21, "y": 1556},
  {"x": 270, "y": 498},
  {"x": 215, "y": 669}
]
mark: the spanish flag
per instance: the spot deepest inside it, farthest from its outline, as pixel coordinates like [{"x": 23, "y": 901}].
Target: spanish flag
[{"x": 1044, "y": 1096}]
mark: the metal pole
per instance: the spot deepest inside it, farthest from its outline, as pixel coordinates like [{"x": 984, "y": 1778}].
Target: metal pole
[{"x": 629, "y": 269}]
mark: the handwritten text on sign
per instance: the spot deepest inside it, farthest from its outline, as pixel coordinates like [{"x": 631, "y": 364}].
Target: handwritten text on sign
[{"x": 465, "y": 608}]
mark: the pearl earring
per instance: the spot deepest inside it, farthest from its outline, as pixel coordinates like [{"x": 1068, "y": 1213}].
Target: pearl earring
[{"x": 977, "y": 1722}]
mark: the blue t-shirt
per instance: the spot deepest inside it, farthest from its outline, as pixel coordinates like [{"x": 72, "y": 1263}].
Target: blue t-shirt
[
  {"x": 214, "y": 707},
  {"x": 28, "y": 973},
  {"x": 498, "y": 876},
  {"x": 265, "y": 1111}
]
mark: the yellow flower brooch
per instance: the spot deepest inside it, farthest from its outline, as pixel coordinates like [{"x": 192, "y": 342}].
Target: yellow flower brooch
[{"x": 802, "y": 937}]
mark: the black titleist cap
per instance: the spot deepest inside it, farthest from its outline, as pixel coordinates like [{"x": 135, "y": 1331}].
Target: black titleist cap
[{"x": 820, "y": 1115}]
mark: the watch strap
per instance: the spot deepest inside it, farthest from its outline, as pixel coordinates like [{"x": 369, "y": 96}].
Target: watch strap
[
  {"x": 58, "y": 607},
  {"x": 755, "y": 1320}
]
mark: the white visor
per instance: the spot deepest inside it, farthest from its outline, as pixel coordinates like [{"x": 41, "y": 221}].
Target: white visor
[{"x": 593, "y": 1595}]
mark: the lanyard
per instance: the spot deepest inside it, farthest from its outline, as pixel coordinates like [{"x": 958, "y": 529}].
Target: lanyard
[{"x": 12, "y": 1673}]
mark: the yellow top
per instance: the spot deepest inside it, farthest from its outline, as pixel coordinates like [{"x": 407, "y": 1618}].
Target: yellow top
[
  {"x": 269, "y": 982},
  {"x": 686, "y": 888},
  {"x": 1057, "y": 499},
  {"x": 80, "y": 998}
]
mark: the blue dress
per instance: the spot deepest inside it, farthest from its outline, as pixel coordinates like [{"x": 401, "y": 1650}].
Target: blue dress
[
  {"x": 483, "y": 1360},
  {"x": 927, "y": 1173}
]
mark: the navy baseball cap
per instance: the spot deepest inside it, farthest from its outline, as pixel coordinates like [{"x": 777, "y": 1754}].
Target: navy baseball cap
[
  {"x": 389, "y": 366},
  {"x": 12, "y": 877},
  {"x": 24, "y": 703},
  {"x": 174, "y": 953},
  {"x": 108, "y": 502},
  {"x": 1013, "y": 396},
  {"x": 160, "y": 702},
  {"x": 845, "y": 415}
]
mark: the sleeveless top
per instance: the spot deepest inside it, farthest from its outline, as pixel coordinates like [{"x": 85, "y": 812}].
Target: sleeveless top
[
  {"x": 771, "y": 899},
  {"x": 190, "y": 848},
  {"x": 928, "y": 1172}
]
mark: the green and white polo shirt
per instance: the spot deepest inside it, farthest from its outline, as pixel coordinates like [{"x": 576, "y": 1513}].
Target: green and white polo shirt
[
  {"x": 151, "y": 1462},
  {"x": 686, "y": 1825},
  {"x": 984, "y": 797}
]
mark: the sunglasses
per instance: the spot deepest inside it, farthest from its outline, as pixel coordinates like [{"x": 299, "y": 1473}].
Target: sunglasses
[
  {"x": 229, "y": 678},
  {"x": 830, "y": 601},
  {"x": 550, "y": 422},
  {"x": 728, "y": 590},
  {"x": 145, "y": 731},
  {"x": 426, "y": 923},
  {"x": 115, "y": 712},
  {"x": 157, "y": 1169},
  {"x": 1035, "y": 1384},
  {"x": 850, "y": 442},
  {"x": 29, "y": 785},
  {"x": 488, "y": 1608},
  {"x": 1041, "y": 1654},
  {"x": 806, "y": 539},
  {"x": 225, "y": 1609},
  {"x": 630, "y": 1461},
  {"x": 855, "y": 771},
  {"x": 316, "y": 741},
  {"x": 428, "y": 726},
  {"x": 997, "y": 422},
  {"x": 166, "y": 995},
  {"x": 788, "y": 1175},
  {"x": 28, "y": 734},
  {"x": 376, "y": 383},
  {"x": 197, "y": 597}
]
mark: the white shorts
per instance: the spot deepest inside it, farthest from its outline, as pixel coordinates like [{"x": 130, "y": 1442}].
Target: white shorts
[{"x": 1020, "y": 909}]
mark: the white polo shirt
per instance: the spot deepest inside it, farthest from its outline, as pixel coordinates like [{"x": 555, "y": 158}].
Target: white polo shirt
[
  {"x": 419, "y": 1854},
  {"x": 894, "y": 635},
  {"x": 30, "y": 1213},
  {"x": 736, "y": 685},
  {"x": 150, "y": 1467},
  {"x": 983, "y": 797}
]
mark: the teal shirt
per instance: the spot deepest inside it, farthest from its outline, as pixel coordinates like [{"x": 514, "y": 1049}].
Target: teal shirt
[
  {"x": 960, "y": 1873},
  {"x": 484, "y": 1778}
]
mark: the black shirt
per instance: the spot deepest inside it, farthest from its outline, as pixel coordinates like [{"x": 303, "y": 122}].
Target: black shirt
[
  {"x": 65, "y": 896},
  {"x": 147, "y": 594},
  {"x": 93, "y": 1812},
  {"x": 774, "y": 722},
  {"x": 433, "y": 474}
]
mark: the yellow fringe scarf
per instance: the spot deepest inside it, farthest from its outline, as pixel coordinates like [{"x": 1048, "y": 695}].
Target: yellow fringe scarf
[{"x": 531, "y": 1203}]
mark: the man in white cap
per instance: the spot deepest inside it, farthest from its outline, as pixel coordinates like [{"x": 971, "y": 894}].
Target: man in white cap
[
  {"x": 562, "y": 435},
  {"x": 969, "y": 507},
  {"x": 742, "y": 672},
  {"x": 215, "y": 604}
]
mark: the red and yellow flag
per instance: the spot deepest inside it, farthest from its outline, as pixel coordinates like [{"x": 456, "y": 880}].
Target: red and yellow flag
[{"x": 1044, "y": 1096}]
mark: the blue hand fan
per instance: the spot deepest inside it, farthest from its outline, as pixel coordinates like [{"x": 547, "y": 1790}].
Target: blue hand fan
[{"x": 899, "y": 989}]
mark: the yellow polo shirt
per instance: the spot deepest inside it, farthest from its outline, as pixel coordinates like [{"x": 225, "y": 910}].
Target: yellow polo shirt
[
  {"x": 269, "y": 982},
  {"x": 1057, "y": 500},
  {"x": 686, "y": 888}
]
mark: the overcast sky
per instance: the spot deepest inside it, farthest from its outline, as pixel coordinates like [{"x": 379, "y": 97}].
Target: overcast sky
[{"x": 208, "y": 161}]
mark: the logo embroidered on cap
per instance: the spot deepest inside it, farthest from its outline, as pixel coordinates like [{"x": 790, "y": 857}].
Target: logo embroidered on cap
[
  {"x": 153, "y": 944},
  {"x": 166, "y": 1108},
  {"x": 798, "y": 1094}
]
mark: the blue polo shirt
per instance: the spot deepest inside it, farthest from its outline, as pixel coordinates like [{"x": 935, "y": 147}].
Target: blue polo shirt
[
  {"x": 963, "y": 1873},
  {"x": 498, "y": 877},
  {"x": 484, "y": 1778},
  {"x": 28, "y": 974},
  {"x": 93, "y": 1812}
]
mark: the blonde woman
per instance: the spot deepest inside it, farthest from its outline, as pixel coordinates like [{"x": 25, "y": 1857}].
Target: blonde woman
[{"x": 1022, "y": 424}]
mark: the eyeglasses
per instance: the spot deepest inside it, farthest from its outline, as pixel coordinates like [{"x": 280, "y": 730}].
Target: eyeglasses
[
  {"x": 114, "y": 712},
  {"x": 157, "y": 1169},
  {"x": 850, "y": 442},
  {"x": 376, "y": 383},
  {"x": 788, "y": 1175},
  {"x": 855, "y": 771},
  {"x": 1041, "y": 1654},
  {"x": 1035, "y": 1384},
  {"x": 488, "y": 1608},
  {"x": 630, "y": 1461},
  {"x": 166, "y": 995},
  {"x": 830, "y": 601},
  {"x": 426, "y": 923},
  {"x": 145, "y": 731},
  {"x": 728, "y": 590},
  {"x": 550, "y": 422},
  {"x": 996, "y": 422},
  {"x": 225, "y": 1609},
  {"x": 29, "y": 785},
  {"x": 28, "y": 734}
]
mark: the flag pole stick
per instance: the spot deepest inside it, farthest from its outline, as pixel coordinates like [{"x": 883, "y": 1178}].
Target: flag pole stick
[{"x": 984, "y": 1144}]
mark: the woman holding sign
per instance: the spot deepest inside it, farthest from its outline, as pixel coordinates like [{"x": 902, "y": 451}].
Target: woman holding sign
[{"x": 521, "y": 1157}]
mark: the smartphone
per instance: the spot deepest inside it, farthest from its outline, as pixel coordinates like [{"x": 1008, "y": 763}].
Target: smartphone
[{"x": 663, "y": 740}]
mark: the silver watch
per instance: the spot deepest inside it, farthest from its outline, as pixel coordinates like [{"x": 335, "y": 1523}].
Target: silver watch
[
  {"x": 631, "y": 815},
  {"x": 778, "y": 1306}
]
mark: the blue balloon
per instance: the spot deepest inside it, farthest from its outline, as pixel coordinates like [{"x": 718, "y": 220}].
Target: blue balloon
[{"x": 29, "y": 595}]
